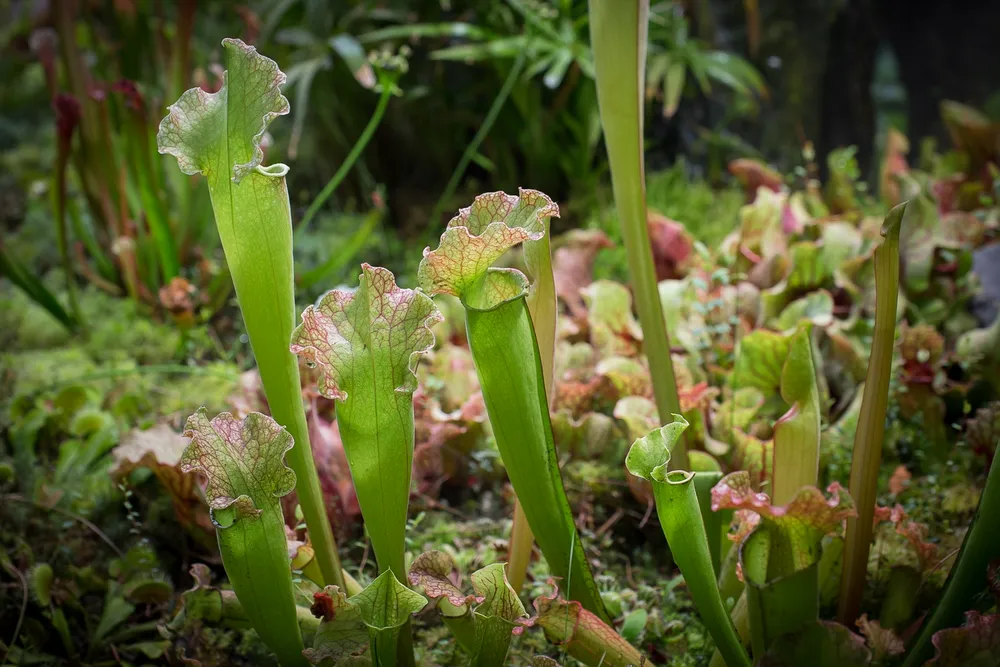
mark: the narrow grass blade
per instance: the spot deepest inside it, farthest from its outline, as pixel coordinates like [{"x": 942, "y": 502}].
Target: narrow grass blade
[
  {"x": 34, "y": 288},
  {"x": 867, "y": 455},
  {"x": 618, "y": 33}
]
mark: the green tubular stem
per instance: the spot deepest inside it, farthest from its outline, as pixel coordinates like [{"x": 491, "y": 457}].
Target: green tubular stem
[
  {"x": 404, "y": 646},
  {"x": 366, "y": 342},
  {"x": 543, "y": 309},
  {"x": 265, "y": 578},
  {"x": 741, "y": 622},
  {"x": 263, "y": 238},
  {"x": 795, "y": 451},
  {"x": 507, "y": 361},
  {"x": 713, "y": 521},
  {"x": 462, "y": 627},
  {"x": 542, "y": 305},
  {"x": 871, "y": 422},
  {"x": 492, "y": 642},
  {"x": 968, "y": 578},
  {"x": 376, "y": 425},
  {"x": 352, "y": 157},
  {"x": 901, "y": 597},
  {"x": 618, "y": 35},
  {"x": 521, "y": 542},
  {"x": 62, "y": 231},
  {"x": 680, "y": 517},
  {"x": 218, "y": 135}
]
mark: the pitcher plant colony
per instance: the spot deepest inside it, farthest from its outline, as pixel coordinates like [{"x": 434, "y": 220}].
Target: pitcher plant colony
[{"x": 759, "y": 548}]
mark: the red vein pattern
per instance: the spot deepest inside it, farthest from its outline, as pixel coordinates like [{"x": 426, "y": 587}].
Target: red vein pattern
[
  {"x": 243, "y": 461},
  {"x": 379, "y": 317}
]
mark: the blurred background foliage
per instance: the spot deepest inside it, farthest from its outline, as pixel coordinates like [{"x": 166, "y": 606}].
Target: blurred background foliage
[{"x": 402, "y": 109}]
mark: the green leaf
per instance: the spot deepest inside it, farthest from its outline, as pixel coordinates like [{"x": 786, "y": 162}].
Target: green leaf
[
  {"x": 385, "y": 606},
  {"x": 210, "y": 604},
  {"x": 816, "y": 307},
  {"x": 35, "y": 288},
  {"x": 736, "y": 412},
  {"x": 980, "y": 347},
  {"x": 673, "y": 88},
  {"x": 457, "y": 30},
  {"x": 780, "y": 557},
  {"x": 530, "y": 210},
  {"x": 760, "y": 224},
  {"x": 634, "y": 624},
  {"x": 243, "y": 463},
  {"x": 917, "y": 241},
  {"x": 808, "y": 271},
  {"x": 649, "y": 457},
  {"x": 460, "y": 266},
  {"x": 219, "y": 135},
  {"x": 613, "y": 329},
  {"x": 754, "y": 456},
  {"x": 502, "y": 340},
  {"x": 498, "y": 610},
  {"x": 797, "y": 433},
  {"x": 799, "y": 525},
  {"x": 432, "y": 570},
  {"x": 366, "y": 345},
  {"x": 760, "y": 361},
  {"x": 116, "y": 611},
  {"x": 682, "y": 523}
]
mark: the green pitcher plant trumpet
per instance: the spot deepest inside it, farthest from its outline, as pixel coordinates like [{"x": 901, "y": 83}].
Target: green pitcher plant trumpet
[
  {"x": 243, "y": 462},
  {"x": 367, "y": 344},
  {"x": 484, "y": 622},
  {"x": 681, "y": 519},
  {"x": 219, "y": 136},
  {"x": 507, "y": 360}
]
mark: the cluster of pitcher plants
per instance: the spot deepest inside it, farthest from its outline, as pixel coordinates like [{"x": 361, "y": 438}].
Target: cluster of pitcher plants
[{"x": 757, "y": 565}]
